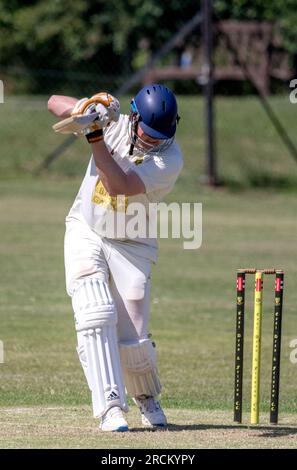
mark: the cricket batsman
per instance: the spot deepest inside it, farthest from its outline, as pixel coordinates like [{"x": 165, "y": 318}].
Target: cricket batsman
[{"x": 134, "y": 159}]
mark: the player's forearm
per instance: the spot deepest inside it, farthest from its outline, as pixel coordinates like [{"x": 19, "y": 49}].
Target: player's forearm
[
  {"x": 115, "y": 180},
  {"x": 61, "y": 106}
]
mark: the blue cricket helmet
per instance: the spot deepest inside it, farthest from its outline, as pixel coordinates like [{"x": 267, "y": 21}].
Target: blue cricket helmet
[{"x": 157, "y": 110}]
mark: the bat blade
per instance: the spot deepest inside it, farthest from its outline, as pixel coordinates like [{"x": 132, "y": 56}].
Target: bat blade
[{"x": 75, "y": 123}]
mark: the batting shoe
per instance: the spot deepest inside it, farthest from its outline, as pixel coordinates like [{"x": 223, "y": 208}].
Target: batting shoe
[
  {"x": 152, "y": 415},
  {"x": 114, "y": 421}
]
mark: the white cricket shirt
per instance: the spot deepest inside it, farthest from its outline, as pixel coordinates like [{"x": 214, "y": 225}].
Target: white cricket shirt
[{"x": 158, "y": 172}]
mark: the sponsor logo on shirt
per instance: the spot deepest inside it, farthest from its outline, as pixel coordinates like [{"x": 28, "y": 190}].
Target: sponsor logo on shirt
[{"x": 102, "y": 197}]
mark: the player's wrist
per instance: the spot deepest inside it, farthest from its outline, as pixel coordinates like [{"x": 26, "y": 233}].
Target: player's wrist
[{"x": 95, "y": 136}]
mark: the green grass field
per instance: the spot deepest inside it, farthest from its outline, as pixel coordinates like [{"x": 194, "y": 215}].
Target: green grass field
[
  {"x": 44, "y": 401},
  {"x": 250, "y": 154}
]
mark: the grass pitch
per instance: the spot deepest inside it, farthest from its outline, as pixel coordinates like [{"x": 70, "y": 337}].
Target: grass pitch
[
  {"x": 43, "y": 396},
  {"x": 250, "y": 153},
  {"x": 44, "y": 401},
  {"x": 72, "y": 427}
]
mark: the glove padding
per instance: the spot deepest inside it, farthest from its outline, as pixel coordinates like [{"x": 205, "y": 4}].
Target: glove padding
[
  {"x": 103, "y": 106},
  {"x": 106, "y": 105}
]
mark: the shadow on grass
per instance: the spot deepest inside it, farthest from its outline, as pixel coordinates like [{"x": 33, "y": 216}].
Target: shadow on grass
[{"x": 265, "y": 431}]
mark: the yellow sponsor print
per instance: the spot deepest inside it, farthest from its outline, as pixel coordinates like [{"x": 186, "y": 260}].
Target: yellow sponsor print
[
  {"x": 102, "y": 197},
  {"x": 138, "y": 160}
]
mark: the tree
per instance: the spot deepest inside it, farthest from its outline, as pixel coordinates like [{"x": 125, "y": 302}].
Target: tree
[{"x": 80, "y": 39}]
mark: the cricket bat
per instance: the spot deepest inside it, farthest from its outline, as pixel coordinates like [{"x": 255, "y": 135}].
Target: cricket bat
[{"x": 74, "y": 124}]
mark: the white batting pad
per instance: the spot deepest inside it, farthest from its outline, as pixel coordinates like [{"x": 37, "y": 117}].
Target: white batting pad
[
  {"x": 92, "y": 304},
  {"x": 104, "y": 369},
  {"x": 140, "y": 368},
  {"x": 82, "y": 356},
  {"x": 96, "y": 319}
]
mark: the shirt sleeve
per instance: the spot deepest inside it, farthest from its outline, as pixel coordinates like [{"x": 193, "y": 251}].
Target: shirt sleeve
[{"x": 159, "y": 172}]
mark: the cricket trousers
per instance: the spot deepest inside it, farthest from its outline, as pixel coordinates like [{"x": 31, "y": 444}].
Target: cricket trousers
[{"x": 121, "y": 265}]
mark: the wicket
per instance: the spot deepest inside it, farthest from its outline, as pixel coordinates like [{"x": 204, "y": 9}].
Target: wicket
[{"x": 257, "y": 335}]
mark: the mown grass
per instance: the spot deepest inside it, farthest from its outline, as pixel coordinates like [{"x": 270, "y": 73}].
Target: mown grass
[
  {"x": 72, "y": 427},
  {"x": 193, "y": 302},
  {"x": 250, "y": 152},
  {"x": 193, "y": 295}
]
